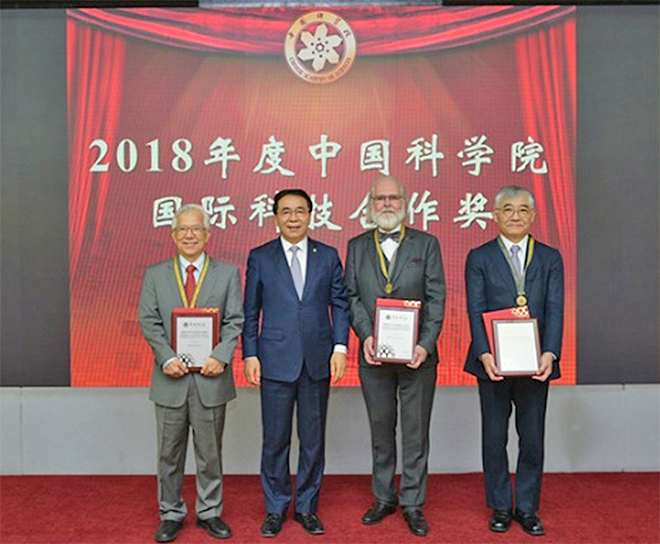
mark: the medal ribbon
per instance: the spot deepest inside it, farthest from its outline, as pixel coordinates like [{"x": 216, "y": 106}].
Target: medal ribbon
[
  {"x": 179, "y": 282},
  {"x": 519, "y": 280},
  {"x": 381, "y": 257}
]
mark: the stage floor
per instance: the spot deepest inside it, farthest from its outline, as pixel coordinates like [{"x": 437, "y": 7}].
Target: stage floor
[{"x": 585, "y": 508}]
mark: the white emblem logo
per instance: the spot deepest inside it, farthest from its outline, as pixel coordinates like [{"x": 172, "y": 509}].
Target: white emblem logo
[{"x": 320, "y": 47}]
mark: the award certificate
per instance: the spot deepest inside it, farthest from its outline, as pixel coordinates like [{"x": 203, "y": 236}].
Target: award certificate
[
  {"x": 517, "y": 347},
  {"x": 195, "y": 331},
  {"x": 396, "y": 328}
]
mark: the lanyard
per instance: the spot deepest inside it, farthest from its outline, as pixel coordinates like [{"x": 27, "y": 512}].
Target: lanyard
[
  {"x": 521, "y": 299},
  {"x": 179, "y": 281},
  {"x": 381, "y": 258}
]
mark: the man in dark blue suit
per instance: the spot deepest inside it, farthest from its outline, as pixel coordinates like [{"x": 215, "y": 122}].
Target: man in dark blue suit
[
  {"x": 294, "y": 340},
  {"x": 495, "y": 281}
]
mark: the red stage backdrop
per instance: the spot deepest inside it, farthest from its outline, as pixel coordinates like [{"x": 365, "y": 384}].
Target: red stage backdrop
[{"x": 223, "y": 107}]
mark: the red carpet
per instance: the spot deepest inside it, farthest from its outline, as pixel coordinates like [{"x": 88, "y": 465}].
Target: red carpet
[{"x": 589, "y": 508}]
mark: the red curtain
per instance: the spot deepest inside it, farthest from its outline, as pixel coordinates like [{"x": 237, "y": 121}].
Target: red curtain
[
  {"x": 546, "y": 81},
  {"x": 93, "y": 103},
  {"x": 379, "y": 30}
]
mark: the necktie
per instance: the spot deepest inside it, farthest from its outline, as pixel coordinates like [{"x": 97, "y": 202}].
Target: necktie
[
  {"x": 382, "y": 236},
  {"x": 296, "y": 271},
  {"x": 190, "y": 282},
  {"x": 516, "y": 261}
]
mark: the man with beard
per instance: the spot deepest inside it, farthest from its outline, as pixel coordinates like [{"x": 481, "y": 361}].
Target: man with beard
[{"x": 394, "y": 261}]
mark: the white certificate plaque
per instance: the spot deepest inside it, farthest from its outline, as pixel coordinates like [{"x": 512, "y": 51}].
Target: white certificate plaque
[
  {"x": 517, "y": 346},
  {"x": 396, "y": 329},
  {"x": 195, "y": 332}
]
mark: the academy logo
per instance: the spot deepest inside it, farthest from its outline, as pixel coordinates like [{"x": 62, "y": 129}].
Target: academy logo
[{"x": 320, "y": 47}]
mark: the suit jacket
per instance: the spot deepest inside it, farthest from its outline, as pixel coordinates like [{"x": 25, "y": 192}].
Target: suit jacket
[
  {"x": 293, "y": 331},
  {"x": 417, "y": 275},
  {"x": 490, "y": 286},
  {"x": 159, "y": 296}
]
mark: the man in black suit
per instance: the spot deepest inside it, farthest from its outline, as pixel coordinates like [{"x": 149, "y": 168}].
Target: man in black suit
[
  {"x": 398, "y": 262},
  {"x": 495, "y": 281},
  {"x": 294, "y": 341}
]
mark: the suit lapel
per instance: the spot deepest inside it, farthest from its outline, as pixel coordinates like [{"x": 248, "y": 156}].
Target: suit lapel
[
  {"x": 403, "y": 254},
  {"x": 501, "y": 265},
  {"x": 372, "y": 256},
  {"x": 208, "y": 285},
  {"x": 171, "y": 281},
  {"x": 282, "y": 266},
  {"x": 533, "y": 267},
  {"x": 312, "y": 265}
]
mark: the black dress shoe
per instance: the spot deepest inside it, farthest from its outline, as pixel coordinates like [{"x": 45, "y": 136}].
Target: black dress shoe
[
  {"x": 377, "y": 511},
  {"x": 310, "y": 522},
  {"x": 416, "y": 521},
  {"x": 215, "y": 527},
  {"x": 168, "y": 530},
  {"x": 530, "y": 522},
  {"x": 272, "y": 525},
  {"x": 500, "y": 521}
]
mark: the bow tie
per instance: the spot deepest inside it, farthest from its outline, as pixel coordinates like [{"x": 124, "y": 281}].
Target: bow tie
[{"x": 382, "y": 236}]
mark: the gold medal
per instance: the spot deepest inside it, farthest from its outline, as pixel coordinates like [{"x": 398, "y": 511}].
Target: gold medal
[
  {"x": 521, "y": 300},
  {"x": 388, "y": 288}
]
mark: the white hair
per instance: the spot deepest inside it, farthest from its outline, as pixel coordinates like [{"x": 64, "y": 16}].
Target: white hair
[{"x": 192, "y": 208}]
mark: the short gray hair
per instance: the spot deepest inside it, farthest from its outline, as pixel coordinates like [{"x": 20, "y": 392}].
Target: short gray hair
[
  {"x": 372, "y": 194},
  {"x": 513, "y": 191},
  {"x": 192, "y": 208}
]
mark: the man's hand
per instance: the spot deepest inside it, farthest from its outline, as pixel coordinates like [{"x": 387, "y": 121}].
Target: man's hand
[
  {"x": 490, "y": 367},
  {"x": 419, "y": 356},
  {"x": 175, "y": 369},
  {"x": 212, "y": 367},
  {"x": 369, "y": 351},
  {"x": 337, "y": 366},
  {"x": 545, "y": 367},
  {"x": 252, "y": 369}
]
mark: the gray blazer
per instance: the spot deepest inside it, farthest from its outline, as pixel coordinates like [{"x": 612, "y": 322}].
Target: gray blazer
[
  {"x": 417, "y": 275},
  {"x": 159, "y": 296}
]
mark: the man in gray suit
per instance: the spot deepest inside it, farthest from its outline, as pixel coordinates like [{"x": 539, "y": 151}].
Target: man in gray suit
[
  {"x": 402, "y": 263},
  {"x": 183, "y": 398}
]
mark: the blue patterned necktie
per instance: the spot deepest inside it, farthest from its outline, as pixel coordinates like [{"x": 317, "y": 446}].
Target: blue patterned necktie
[{"x": 296, "y": 271}]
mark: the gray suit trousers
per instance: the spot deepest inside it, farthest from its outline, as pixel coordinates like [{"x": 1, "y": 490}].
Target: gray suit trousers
[
  {"x": 207, "y": 426},
  {"x": 415, "y": 390}
]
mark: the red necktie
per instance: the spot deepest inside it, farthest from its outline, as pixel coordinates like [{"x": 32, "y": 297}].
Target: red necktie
[{"x": 190, "y": 282}]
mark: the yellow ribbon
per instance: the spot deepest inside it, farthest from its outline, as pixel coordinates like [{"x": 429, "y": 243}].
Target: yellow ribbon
[
  {"x": 381, "y": 257},
  {"x": 179, "y": 281}
]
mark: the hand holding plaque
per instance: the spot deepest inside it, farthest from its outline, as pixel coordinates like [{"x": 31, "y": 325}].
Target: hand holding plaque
[
  {"x": 514, "y": 341},
  {"x": 396, "y": 324},
  {"x": 195, "y": 332}
]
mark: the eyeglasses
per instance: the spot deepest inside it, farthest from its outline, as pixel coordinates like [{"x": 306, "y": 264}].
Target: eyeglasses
[
  {"x": 286, "y": 213},
  {"x": 523, "y": 212},
  {"x": 381, "y": 199},
  {"x": 182, "y": 231}
]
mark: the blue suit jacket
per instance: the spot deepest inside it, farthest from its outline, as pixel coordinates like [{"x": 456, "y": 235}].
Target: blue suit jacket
[
  {"x": 490, "y": 286},
  {"x": 293, "y": 331}
]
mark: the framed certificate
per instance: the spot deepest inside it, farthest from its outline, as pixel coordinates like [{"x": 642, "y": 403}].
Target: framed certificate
[
  {"x": 396, "y": 324},
  {"x": 195, "y": 331},
  {"x": 517, "y": 346}
]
